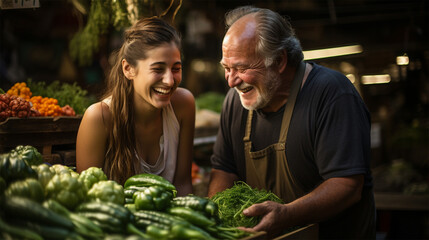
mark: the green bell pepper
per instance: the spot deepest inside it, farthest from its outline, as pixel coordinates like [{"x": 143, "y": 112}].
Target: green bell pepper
[
  {"x": 28, "y": 188},
  {"x": 152, "y": 198},
  {"x": 90, "y": 176},
  {"x": 13, "y": 168},
  {"x": 44, "y": 173},
  {"x": 107, "y": 191},
  {"x": 29, "y": 154},
  {"x": 66, "y": 189}
]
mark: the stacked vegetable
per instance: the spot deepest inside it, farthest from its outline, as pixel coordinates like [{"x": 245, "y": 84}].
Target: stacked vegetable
[
  {"x": 13, "y": 106},
  {"x": 32, "y": 99},
  {"x": 40, "y": 201}
]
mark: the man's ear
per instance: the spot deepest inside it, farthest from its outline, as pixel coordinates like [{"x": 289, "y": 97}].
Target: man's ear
[
  {"x": 282, "y": 61},
  {"x": 127, "y": 69}
]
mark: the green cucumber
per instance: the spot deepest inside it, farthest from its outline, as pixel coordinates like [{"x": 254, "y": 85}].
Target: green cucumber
[
  {"x": 15, "y": 231},
  {"x": 190, "y": 201},
  {"x": 147, "y": 179},
  {"x": 158, "y": 217},
  {"x": 28, "y": 209},
  {"x": 192, "y": 216},
  {"x": 109, "y": 208}
]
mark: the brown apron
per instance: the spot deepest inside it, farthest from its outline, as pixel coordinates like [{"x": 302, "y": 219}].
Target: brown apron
[{"x": 268, "y": 168}]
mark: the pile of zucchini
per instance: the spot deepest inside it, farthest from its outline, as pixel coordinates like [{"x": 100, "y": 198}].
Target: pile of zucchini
[{"x": 39, "y": 201}]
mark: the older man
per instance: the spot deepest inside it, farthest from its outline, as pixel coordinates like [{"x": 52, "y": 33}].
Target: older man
[{"x": 297, "y": 129}]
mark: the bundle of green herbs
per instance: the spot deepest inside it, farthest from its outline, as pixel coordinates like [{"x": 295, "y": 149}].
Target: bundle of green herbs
[{"x": 234, "y": 200}]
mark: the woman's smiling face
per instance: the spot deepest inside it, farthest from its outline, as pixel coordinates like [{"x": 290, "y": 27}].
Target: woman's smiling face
[{"x": 157, "y": 77}]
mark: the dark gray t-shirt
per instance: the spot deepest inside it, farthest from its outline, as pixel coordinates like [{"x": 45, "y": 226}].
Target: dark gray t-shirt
[{"x": 329, "y": 136}]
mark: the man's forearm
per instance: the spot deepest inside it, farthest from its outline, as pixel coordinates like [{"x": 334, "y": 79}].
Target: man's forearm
[
  {"x": 219, "y": 181},
  {"x": 330, "y": 198}
]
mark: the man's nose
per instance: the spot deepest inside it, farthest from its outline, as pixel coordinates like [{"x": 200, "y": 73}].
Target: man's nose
[{"x": 232, "y": 78}]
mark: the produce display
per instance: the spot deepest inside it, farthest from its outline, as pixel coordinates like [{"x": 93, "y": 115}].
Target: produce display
[
  {"x": 33, "y": 99},
  {"x": 41, "y": 201},
  {"x": 13, "y": 106}
]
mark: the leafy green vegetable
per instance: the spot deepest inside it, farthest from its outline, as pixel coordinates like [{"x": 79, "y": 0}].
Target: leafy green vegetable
[
  {"x": 210, "y": 100},
  {"x": 102, "y": 14},
  {"x": 65, "y": 93},
  {"x": 234, "y": 200}
]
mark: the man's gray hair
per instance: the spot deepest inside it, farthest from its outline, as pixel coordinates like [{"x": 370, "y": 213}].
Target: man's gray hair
[{"x": 274, "y": 33}]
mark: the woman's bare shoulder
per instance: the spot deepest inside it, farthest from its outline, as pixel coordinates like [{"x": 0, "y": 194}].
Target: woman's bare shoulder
[
  {"x": 183, "y": 102},
  {"x": 98, "y": 112},
  {"x": 182, "y": 96}
]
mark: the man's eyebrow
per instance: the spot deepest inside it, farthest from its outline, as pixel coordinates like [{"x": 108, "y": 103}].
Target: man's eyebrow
[{"x": 234, "y": 65}]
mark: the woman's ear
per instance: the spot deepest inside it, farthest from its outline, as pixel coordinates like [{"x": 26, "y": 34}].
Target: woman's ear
[
  {"x": 127, "y": 69},
  {"x": 282, "y": 61}
]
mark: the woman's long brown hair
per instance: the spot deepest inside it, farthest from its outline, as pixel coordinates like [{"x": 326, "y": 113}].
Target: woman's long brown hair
[{"x": 146, "y": 34}]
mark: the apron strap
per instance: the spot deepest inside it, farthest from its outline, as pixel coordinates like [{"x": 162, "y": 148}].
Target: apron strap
[
  {"x": 296, "y": 86},
  {"x": 248, "y": 126}
]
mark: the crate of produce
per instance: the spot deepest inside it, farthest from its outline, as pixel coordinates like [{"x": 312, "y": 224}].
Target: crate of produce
[{"x": 40, "y": 132}]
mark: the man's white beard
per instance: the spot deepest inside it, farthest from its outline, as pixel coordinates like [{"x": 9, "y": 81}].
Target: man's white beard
[{"x": 266, "y": 94}]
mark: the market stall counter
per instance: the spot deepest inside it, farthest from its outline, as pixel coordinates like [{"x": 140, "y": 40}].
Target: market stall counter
[{"x": 42, "y": 133}]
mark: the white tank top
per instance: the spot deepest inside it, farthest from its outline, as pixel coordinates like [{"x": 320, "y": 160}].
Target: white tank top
[{"x": 165, "y": 166}]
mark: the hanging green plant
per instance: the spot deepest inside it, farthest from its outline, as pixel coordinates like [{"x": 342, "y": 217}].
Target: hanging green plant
[{"x": 119, "y": 14}]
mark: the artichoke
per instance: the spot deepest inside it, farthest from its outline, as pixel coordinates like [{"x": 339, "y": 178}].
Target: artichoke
[
  {"x": 91, "y": 176},
  {"x": 107, "y": 191},
  {"x": 66, "y": 188}
]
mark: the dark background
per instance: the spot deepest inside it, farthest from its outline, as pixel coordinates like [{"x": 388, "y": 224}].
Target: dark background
[{"x": 34, "y": 44}]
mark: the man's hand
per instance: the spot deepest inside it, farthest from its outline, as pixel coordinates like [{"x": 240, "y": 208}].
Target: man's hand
[
  {"x": 273, "y": 217},
  {"x": 328, "y": 199}
]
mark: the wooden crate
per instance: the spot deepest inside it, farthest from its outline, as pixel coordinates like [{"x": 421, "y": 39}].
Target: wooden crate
[{"x": 39, "y": 132}]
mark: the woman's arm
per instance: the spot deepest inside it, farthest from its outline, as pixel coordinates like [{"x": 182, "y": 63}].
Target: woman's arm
[
  {"x": 184, "y": 106},
  {"x": 92, "y": 138}
]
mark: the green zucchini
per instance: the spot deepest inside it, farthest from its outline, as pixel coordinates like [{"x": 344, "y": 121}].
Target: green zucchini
[
  {"x": 147, "y": 179},
  {"x": 103, "y": 217},
  {"x": 190, "y": 201},
  {"x": 109, "y": 208},
  {"x": 144, "y": 223},
  {"x": 83, "y": 225},
  {"x": 158, "y": 217},
  {"x": 191, "y": 216},
  {"x": 45, "y": 230},
  {"x": 28, "y": 209},
  {"x": 21, "y": 233},
  {"x": 190, "y": 232}
]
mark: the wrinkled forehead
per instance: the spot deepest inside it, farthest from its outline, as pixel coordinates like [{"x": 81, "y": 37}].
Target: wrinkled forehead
[
  {"x": 243, "y": 31},
  {"x": 240, "y": 38}
]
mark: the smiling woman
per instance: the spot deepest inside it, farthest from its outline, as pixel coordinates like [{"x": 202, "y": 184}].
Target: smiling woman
[{"x": 145, "y": 122}]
